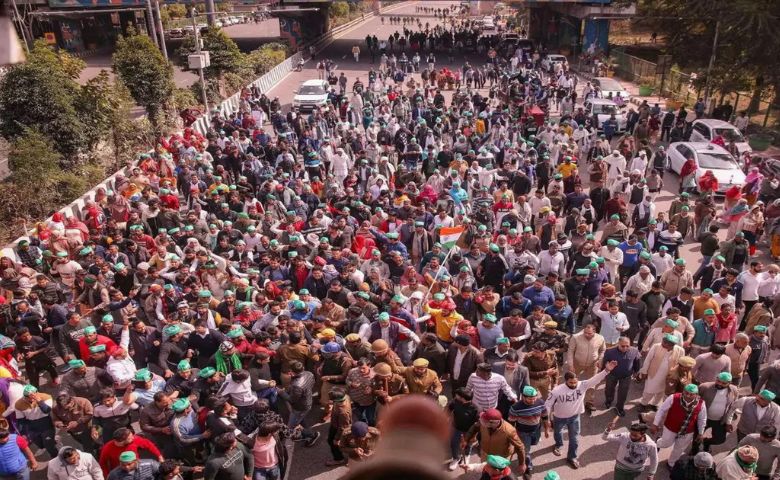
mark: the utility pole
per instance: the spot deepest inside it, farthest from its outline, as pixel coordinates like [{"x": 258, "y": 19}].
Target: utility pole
[
  {"x": 200, "y": 67},
  {"x": 150, "y": 23},
  {"x": 22, "y": 29},
  {"x": 211, "y": 12},
  {"x": 711, "y": 65},
  {"x": 160, "y": 30}
]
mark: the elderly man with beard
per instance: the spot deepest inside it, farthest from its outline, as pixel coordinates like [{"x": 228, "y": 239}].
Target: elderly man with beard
[
  {"x": 635, "y": 450},
  {"x": 659, "y": 361},
  {"x": 683, "y": 416}
]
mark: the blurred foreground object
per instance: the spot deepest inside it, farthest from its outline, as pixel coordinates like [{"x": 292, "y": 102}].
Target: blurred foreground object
[
  {"x": 413, "y": 446},
  {"x": 11, "y": 50}
]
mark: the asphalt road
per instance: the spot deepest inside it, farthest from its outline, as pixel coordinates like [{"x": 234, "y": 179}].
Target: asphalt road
[{"x": 598, "y": 462}]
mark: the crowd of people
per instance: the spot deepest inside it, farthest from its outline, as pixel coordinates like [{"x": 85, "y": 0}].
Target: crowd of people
[{"x": 287, "y": 266}]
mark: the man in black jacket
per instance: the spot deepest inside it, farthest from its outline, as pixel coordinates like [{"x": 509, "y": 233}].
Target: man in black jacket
[
  {"x": 598, "y": 197},
  {"x": 709, "y": 273},
  {"x": 298, "y": 395},
  {"x": 231, "y": 460}
]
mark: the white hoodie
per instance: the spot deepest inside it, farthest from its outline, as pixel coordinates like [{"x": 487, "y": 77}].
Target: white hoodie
[{"x": 87, "y": 468}]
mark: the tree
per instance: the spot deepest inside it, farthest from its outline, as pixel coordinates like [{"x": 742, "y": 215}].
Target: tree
[
  {"x": 143, "y": 69},
  {"x": 176, "y": 10},
  {"x": 223, "y": 51},
  {"x": 339, "y": 9},
  {"x": 266, "y": 57},
  {"x": 41, "y": 95},
  {"x": 747, "y": 34},
  {"x": 112, "y": 121},
  {"x": 35, "y": 165}
]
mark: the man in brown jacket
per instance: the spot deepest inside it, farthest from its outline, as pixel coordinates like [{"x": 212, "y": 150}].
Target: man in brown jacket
[
  {"x": 462, "y": 361},
  {"x": 542, "y": 368},
  {"x": 422, "y": 380},
  {"x": 340, "y": 424},
  {"x": 74, "y": 415},
  {"x": 496, "y": 437}
]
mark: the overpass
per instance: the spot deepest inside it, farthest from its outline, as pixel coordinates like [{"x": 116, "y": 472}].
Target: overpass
[
  {"x": 301, "y": 21},
  {"x": 571, "y": 26}
]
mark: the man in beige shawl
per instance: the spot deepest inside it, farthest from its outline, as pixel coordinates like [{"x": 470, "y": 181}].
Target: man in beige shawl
[{"x": 660, "y": 359}]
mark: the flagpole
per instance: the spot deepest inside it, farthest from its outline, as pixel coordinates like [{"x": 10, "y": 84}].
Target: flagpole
[{"x": 443, "y": 263}]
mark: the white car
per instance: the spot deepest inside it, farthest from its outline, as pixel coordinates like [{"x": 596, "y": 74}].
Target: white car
[
  {"x": 706, "y": 129},
  {"x": 601, "y": 109},
  {"x": 552, "y": 60},
  {"x": 610, "y": 85},
  {"x": 708, "y": 157},
  {"x": 310, "y": 95}
]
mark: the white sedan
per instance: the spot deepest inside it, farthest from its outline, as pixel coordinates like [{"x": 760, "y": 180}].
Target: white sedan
[
  {"x": 552, "y": 60},
  {"x": 708, "y": 157}
]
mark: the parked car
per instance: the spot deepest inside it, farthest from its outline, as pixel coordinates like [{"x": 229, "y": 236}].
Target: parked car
[
  {"x": 610, "y": 85},
  {"x": 601, "y": 109},
  {"x": 311, "y": 94},
  {"x": 176, "y": 32},
  {"x": 706, "y": 129},
  {"x": 551, "y": 59},
  {"x": 707, "y": 156}
]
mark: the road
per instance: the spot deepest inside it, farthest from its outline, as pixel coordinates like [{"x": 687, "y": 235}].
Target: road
[{"x": 308, "y": 463}]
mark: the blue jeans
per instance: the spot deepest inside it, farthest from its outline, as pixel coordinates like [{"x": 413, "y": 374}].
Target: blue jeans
[
  {"x": 455, "y": 443},
  {"x": 272, "y": 473},
  {"x": 572, "y": 424},
  {"x": 298, "y": 417},
  {"x": 364, "y": 414},
  {"x": 705, "y": 260},
  {"x": 530, "y": 439},
  {"x": 23, "y": 474}
]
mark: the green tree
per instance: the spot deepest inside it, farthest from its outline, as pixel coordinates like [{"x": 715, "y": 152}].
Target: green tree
[
  {"x": 266, "y": 57},
  {"x": 35, "y": 168},
  {"x": 111, "y": 122},
  {"x": 339, "y": 9},
  {"x": 177, "y": 10},
  {"x": 143, "y": 69},
  {"x": 747, "y": 33},
  {"x": 41, "y": 94},
  {"x": 223, "y": 51}
]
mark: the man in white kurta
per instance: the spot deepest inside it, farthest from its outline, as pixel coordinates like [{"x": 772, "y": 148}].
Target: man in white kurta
[
  {"x": 660, "y": 359},
  {"x": 613, "y": 257},
  {"x": 616, "y": 164}
]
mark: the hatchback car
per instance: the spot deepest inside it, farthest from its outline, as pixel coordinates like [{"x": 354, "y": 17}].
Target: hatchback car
[{"x": 708, "y": 157}]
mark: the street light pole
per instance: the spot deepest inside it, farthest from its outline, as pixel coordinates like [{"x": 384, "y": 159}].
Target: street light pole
[
  {"x": 200, "y": 69},
  {"x": 151, "y": 23},
  {"x": 160, "y": 31},
  {"x": 711, "y": 65},
  {"x": 22, "y": 29},
  {"x": 211, "y": 12}
]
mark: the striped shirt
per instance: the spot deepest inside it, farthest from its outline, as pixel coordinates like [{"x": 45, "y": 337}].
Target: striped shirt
[
  {"x": 526, "y": 417},
  {"x": 486, "y": 391},
  {"x": 359, "y": 387}
]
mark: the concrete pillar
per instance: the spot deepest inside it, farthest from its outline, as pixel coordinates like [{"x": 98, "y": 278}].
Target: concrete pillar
[{"x": 596, "y": 30}]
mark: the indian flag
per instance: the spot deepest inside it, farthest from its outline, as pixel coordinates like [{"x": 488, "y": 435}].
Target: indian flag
[{"x": 448, "y": 236}]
